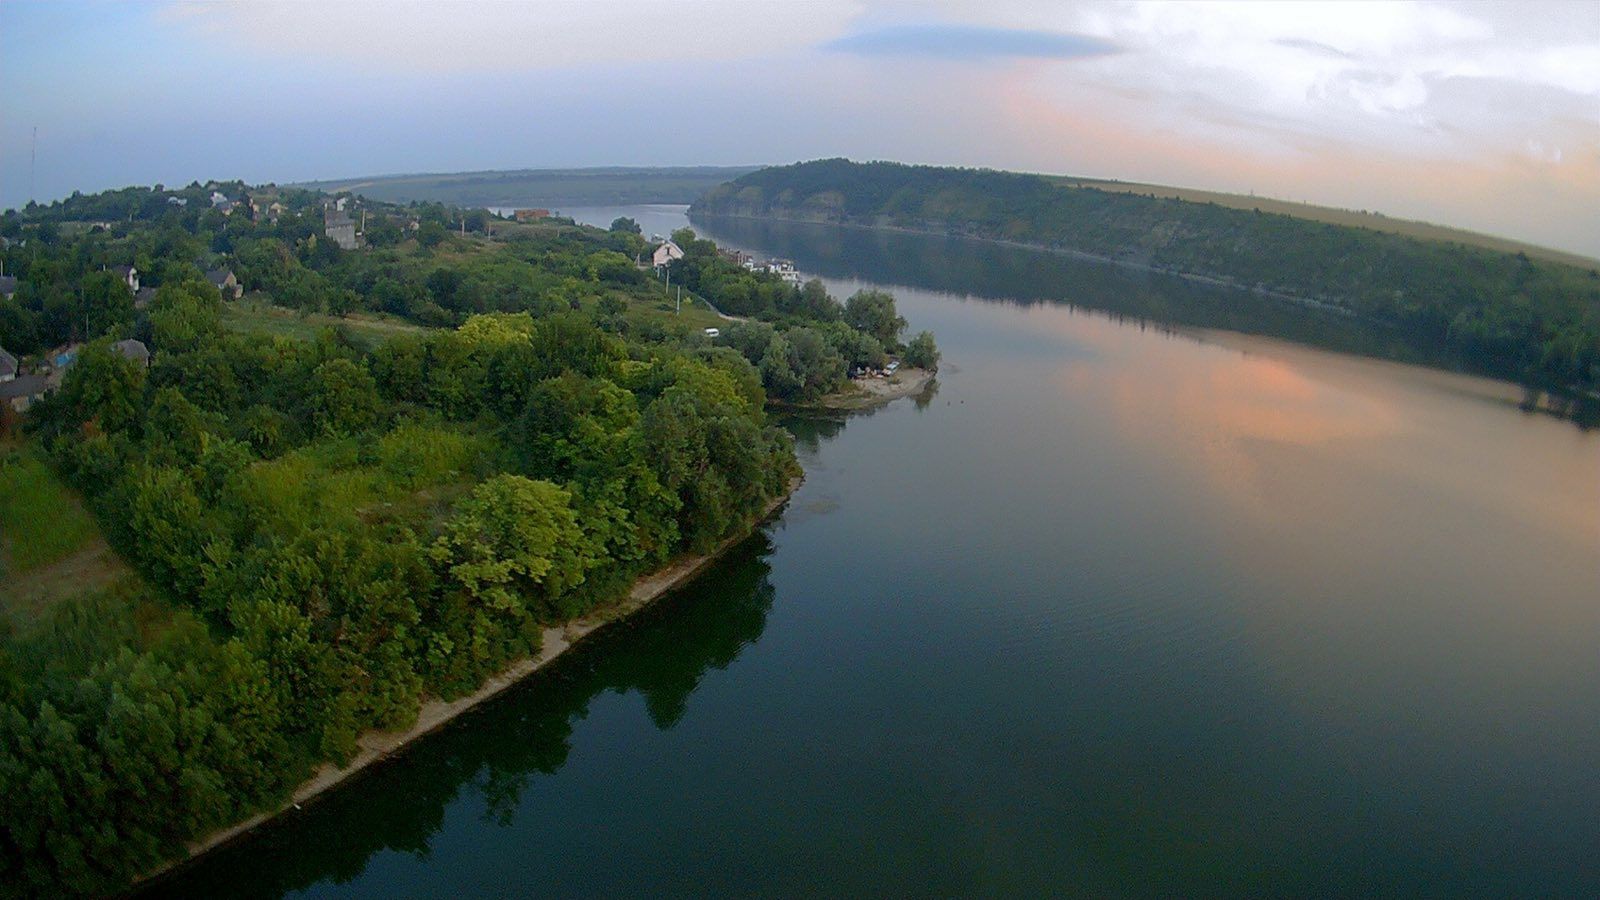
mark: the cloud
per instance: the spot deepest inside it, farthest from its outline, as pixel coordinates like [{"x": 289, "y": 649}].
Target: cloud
[
  {"x": 1313, "y": 47},
  {"x": 970, "y": 43}
]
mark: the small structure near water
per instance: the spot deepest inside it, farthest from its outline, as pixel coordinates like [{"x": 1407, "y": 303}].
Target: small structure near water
[{"x": 665, "y": 254}]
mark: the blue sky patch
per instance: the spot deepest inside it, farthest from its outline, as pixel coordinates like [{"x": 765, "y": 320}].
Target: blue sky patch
[{"x": 970, "y": 42}]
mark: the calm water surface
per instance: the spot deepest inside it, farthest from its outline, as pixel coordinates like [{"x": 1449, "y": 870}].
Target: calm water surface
[{"x": 1121, "y": 608}]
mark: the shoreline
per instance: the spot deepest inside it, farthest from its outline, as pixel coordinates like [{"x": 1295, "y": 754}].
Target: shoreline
[
  {"x": 1564, "y": 402},
  {"x": 375, "y": 746},
  {"x": 1325, "y": 304},
  {"x": 867, "y": 393}
]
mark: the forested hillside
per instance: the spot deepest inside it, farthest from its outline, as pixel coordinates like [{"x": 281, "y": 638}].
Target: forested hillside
[
  {"x": 329, "y": 526},
  {"x": 607, "y": 186},
  {"x": 1525, "y": 319}
]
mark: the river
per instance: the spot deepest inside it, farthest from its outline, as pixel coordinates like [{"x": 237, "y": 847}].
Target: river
[{"x": 1147, "y": 597}]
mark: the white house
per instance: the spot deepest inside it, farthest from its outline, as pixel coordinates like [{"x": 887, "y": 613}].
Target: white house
[
  {"x": 665, "y": 254},
  {"x": 784, "y": 269}
]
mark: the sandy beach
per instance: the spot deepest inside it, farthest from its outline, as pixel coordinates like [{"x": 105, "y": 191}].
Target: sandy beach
[{"x": 863, "y": 393}]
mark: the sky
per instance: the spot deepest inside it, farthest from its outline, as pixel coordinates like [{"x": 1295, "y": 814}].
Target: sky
[{"x": 1479, "y": 115}]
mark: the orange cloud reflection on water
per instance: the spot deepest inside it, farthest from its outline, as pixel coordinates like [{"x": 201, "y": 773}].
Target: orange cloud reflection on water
[
  {"x": 1230, "y": 409},
  {"x": 1271, "y": 429}
]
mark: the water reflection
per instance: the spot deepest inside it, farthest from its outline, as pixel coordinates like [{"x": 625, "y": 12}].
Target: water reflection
[
  {"x": 1168, "y": 303},
  {"x": 493, "y": 755}
]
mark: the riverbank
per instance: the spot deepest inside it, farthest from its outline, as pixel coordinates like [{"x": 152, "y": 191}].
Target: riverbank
[
  {"x": 1572, "y": 402},
  {"x": 1325, "y": 304},
  {"x": 865, "y": 393},
  {"x": 374, "y": 746}
]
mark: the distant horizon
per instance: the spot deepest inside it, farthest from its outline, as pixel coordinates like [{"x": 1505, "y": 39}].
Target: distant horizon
[
  {"x": 1481, "y": 116},
  {"x": 320, "y": 183}
]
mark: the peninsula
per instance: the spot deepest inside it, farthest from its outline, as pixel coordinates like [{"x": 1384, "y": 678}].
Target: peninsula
[{"x": 290, "y": 479}]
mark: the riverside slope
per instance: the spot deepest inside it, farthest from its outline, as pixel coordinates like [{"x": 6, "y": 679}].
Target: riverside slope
[
  {"x": 1505, "y": 315},
  {"x": 374, "y": 746}
]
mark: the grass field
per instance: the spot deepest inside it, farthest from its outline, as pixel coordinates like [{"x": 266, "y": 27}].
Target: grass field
[
  {"x": 253, "y": 315},
  {"x": 1356, "y": 218},
  {"x": 40, "y": 519},
  {"x": 50, "y": 547},
  {"x": 694, "y": 315}
]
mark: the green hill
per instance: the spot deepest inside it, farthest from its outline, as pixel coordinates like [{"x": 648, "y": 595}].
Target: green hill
[
  {"x": 1508, "y": 314},
  {"x": 615, "y": 185}
]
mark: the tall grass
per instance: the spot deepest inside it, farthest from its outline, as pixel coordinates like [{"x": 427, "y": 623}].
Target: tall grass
[{"x": 41, "y": 521}]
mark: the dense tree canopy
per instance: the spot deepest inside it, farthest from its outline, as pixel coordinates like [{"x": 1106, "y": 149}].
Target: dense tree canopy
[{"x": 328, "y": 531}]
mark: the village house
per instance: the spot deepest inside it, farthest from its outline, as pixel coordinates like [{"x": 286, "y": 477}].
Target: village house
[
  {"x": 8, "y": 286},
  {"x": 21, "y": 392},
  {"x": 784, "y": 269},
  {"x": 225, "y": 282},
  {"x": 665, "y": 254},
  {"x": 129, "y": 276},
  {"x": 339, "y": 227},
  {"x": 134, "y": 350},
  {"x": 737, "y": 257},
  {"x": 8, "y": 366}
]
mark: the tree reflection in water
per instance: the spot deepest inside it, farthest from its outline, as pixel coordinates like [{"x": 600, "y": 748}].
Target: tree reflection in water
[
  {"x": 1027, "y": 275},
  {"x": 498, "y": 750}
]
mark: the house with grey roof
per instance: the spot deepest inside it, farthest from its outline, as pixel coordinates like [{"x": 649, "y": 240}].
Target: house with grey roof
[
  {"x": 8, "y": 365},
  {"x": 20, "y": 393},
  {"x": 8, "y": 286},
  {"x": 225, "y": 282},
  {"x": 338, "y": 226},
  {"x": 134, "y": 350},
  {"x": 129, "y": 276}
]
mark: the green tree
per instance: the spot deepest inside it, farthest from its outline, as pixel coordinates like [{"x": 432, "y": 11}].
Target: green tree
[
  {"x": 872, "y": 312},
  {"x": 344, "y": 398},
  {"x": 514, "y": 544},
  {"x": 184, "y": 315},
  {"x": 107, "y": 304},
  {"x": 102, "y": 387},
  {"x": 922, "y": 352}
]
